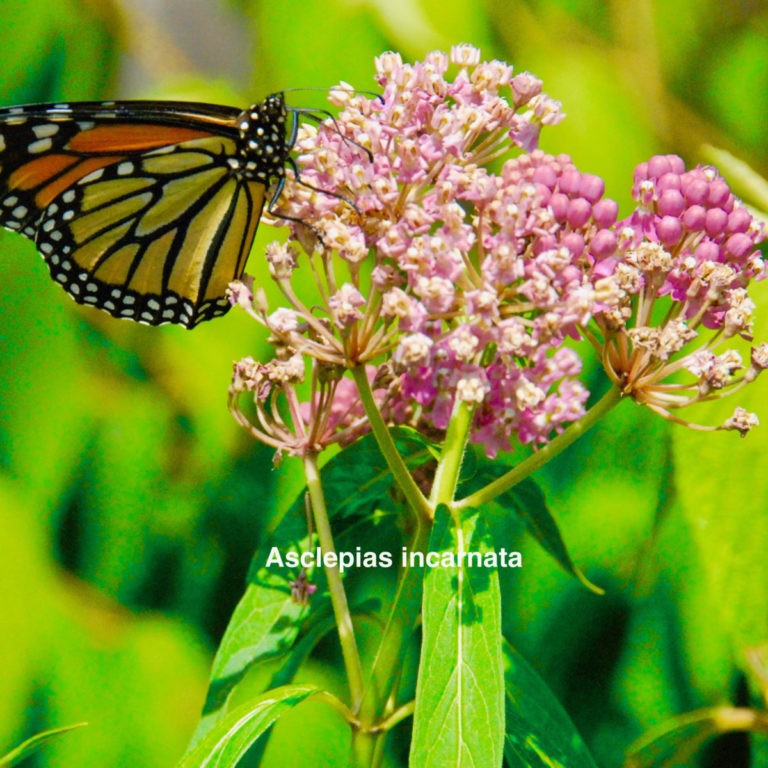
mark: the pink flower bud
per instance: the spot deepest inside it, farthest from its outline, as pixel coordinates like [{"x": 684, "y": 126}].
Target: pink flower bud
[
  {"x": 545, "y": 243},
  {"x": 569, "y": 182},
  {"x": 671, "y": 203},
  {"x": 591, "y": 187},
  {"x": 739, "y": 245},
  {"x": 677, "y": 163},
  {"x": 658, "y": 166},
  {"x": 715, "y": 221},
  {"x": 739, "y": 220},
  {"x": 718, "y": 193},
  {"x": 695, "y": 189},
  {"x": 669, "y": 230},
  {"x": 603, "y": 244},
  {"x": 574, "y": 242},
  {"x": 579, "y": 211},
  {"x": 706, "y": 251},
  {"x": 668, "y": 181},
  {"x": 693, "y": 218},
  {"x": 544, "y": 194},
  {"x": 559, "y": 205},
  {"x": 546, "y": 175},
  {"x": 604, "y": 212}
]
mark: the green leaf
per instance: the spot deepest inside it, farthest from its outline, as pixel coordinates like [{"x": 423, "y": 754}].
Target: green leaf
[
  {"x": 228, "y": 741},
  {"x": 539, "y": 733},
  {"x": 527, "y": 500},
  {"x": 26, "y": 748},
  {"x": 299, "y": 653},
  {"x": 267, "y": 621},
  {"x": 459, "y": 717},
  {"x": 677, "y": 739}
]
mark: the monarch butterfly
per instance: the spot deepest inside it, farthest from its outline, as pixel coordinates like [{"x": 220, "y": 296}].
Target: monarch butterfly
[{"x": 144, "y": 209}]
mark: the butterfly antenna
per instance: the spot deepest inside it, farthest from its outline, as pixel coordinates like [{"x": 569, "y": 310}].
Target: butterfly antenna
[
  {"x": 328, "y": 192},
  {"x": 313, "y": 114},
  {"x": 339, "y": 88}
]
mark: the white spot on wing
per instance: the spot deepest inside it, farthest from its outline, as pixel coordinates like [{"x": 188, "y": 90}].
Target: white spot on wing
[
  {"x": 42, "y": 145},
  {"x": 92, "y": 176},
  {"x": 45, "y": 130}
]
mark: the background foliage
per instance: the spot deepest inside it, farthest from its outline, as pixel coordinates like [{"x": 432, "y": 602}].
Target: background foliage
[{"x": 130, "y": 505}]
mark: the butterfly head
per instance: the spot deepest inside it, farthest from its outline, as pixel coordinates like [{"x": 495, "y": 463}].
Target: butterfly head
[{"x": 264, "y": 148}]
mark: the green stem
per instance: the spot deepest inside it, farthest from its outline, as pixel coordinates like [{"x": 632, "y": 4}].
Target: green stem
[
  {"x": 403, "y": 478},
  {"x": 449, "y": 465},
  {"x": 363, "y": 748},
  {"x": 541, "y": 457},
  {"x": 341, "y": 612},
  {"x": 388, "y": 661},
  {"x": 406, "y": 710},
  {"x": 400, "y": 623}
]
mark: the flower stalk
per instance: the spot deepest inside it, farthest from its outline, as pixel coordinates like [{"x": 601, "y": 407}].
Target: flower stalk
[{"x": 341, "y": 611}]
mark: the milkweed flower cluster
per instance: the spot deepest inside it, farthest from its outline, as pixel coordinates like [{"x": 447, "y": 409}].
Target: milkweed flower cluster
[{"x": 461, "y": 283}]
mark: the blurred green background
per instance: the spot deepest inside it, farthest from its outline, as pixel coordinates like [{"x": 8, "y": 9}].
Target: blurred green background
[{"x": 130, "y": 504}]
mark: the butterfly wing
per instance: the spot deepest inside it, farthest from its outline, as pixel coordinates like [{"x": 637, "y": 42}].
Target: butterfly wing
[{"x": 136, "y": 206}]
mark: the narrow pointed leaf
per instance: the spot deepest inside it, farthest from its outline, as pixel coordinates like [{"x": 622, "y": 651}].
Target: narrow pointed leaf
[
  {"x": 674, "y": 741},
  {"x": 227, "y": 742},
  {"x": 527, "y": 501},
  {"x": 25, "y": 749},
  {"x": 459, "y": 715},
  {"x": 539, "y": 733}
]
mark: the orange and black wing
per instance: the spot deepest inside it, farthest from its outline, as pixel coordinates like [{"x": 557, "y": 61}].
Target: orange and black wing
[{"x": 138, "y": 208}]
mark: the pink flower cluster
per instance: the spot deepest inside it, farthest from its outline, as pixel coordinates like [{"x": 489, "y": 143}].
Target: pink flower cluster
[
  {"x": 711, "y": 239},
  {"x": 466, "y": 284}
]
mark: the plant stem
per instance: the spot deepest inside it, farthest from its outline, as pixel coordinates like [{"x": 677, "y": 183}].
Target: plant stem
[
  {"x": 388, "y": 661},
  {"x": 406, "y": 710},
  {"x": 363, "y": 748},
  {"x": 341, "y": 612},
  {"x": 548, "y": 452},
  {"x": 449, "y": 465},
  {"x": 394, "y": 460}
]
